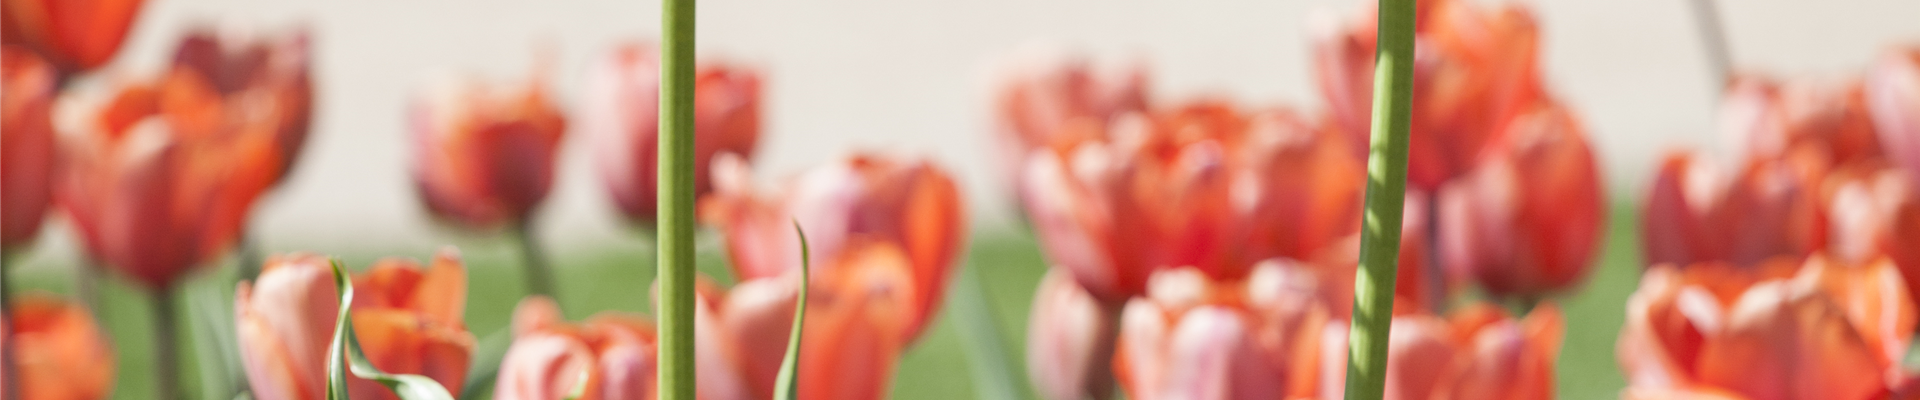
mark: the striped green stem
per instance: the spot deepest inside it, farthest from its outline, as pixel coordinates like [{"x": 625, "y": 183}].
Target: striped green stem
[
  {"x": 675, "y": 249},
  {"x": 1386, "y": 194}
]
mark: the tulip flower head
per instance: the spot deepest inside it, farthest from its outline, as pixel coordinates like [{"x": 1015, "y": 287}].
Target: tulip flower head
[
  {"x": 484, "y": 153},
  {"x": 1047, "y": 101},
  {"x": 27, "y": 145},
  {"x": 1827, "y": 331},
  {"x": 1770, "y": 208},
  {"x": 621, "y": 115},
  {"x": 1892, "y": 91},
  {"x": 263, "y": 83},
  {"x": 1874, "y": 211},
  {"x": 75, "y": 35},
  {"x": 158, "y": 179},
  {"x": 909, "y": 204},
  {"x": 1479, "y": 352},
  {"x": 1527, "y": 221},
  {"x": 58, "y": 351},
  {"x": 1194, "y": 338},
  {"x": 408, "y": 318},
  {"x": 609, "y": 357},
  {"x": 1765, "y": 117}
]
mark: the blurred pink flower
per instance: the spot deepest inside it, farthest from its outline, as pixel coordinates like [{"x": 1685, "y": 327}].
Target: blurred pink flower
[
  {"x": 620, "y": 115},
  {"x": 484, "y": 154},
  {"x": 1195, "y": 338},
  {"x": 1892, "y": 91},
  {"x": 910, "y": 204},
  {"x": 1069, "y": 345},
  {"x": 1766, "y": 117},
  {"x": 27, "y": 141},
  {"x": 1047, "y": 101}
]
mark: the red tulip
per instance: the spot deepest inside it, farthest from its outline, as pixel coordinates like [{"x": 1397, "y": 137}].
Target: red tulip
[
  {"x": 1192, "y": 338},
  {"x": 610, "y": 357},
  {"x": 1828, "y": 331},
  {"x": 910, "y": 204},
  {"x": 1050, "y": 101},
  {"x": 262, "y": 83},
  {"x": 621, "y": 116},
  {"x": 75, "y": 35},
  {"x": 58, "y": 352},
  {"x": 158, "y": 180},
  {"x": 1068, "y": 341},
  {"x": 1873, "y": 211},
  {"x": 1477, "y": 69},
  {"x": 1478, "y": 353},
  {"x": 1767, "y": 117},
  {"x": 1306, "y": 177},
  {"x": 1771, "y": 208},
  {"x": 27, "y": 153},
  {"x": 860, "y": 317},
  {"x": 1528, "y": 220},
  {"x": 1892, "y": 91},
  {"x": 484, "y": 154},
  {"x": 408, "y": 319}
]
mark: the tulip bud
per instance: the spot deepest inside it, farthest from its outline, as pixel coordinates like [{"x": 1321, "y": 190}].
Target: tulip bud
[
  {"x": 621, "y": 114},
  {"x": 484, "y": 154},
  {"x": 27, "y": 152},
  {"x": 1528, "y": 221},
  {"x": 1069, "y": 341}
]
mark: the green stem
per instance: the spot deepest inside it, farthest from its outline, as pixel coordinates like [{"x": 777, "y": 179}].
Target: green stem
[
  {"x": 166, "y": 358},
  {"x": 1386, "y": 194},
  {"x": 539, "y": 275},
  {"x": 250, "y": 258},
  {"x": 993, "y": 376},
  {"x": 6, "y": 314},
  {"x": 675, "y": 250}
]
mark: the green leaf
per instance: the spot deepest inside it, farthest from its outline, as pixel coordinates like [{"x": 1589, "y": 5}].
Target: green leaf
[
  {"x": 993, "y": 370},
  {"x": 786, "y": 385},
  {"x": 408, "y": 387},
  {"x": 210, "y": 312},
  {"x": 486, "y": 364}
]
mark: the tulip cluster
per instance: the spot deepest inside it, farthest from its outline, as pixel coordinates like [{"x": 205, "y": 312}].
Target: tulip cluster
[
  {"x": 1124, "y": 191},
  {"x": 1801, "y": 259}
]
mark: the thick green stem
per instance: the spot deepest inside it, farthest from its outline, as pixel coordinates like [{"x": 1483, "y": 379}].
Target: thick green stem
[
  {"x": 1386, "y": 194},
  {"x": 250, "y": 257},
  {"x": 533, "y": 262},
  {"x": 675, "y": 250},
  {"x": 166, "y": 356}
]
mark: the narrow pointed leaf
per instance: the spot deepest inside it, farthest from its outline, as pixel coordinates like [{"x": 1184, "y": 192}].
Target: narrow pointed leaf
[
  {"x": 408, "y": 387},
  {"x": 486, "y": 363},
  {"x": 786, "y": 385}
]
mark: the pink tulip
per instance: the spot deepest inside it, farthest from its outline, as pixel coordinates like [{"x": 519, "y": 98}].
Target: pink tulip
[
  {"x": 1058, "y": 101},
  {"x": 1196, "y": 338},
  {"x": 1892, "y": 91},
  {"x": 484, "y": 154},
  {"x": 27, "y": 142},
  {"x": 910, "y": 204},
  {"x": 621, "y": 117},
  {"x": 1478, "y": 353},
  {"x": 1069, "y": 347}
]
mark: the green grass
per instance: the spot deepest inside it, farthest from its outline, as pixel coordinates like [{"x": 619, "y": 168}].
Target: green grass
[{"x": 935, "y": 368}]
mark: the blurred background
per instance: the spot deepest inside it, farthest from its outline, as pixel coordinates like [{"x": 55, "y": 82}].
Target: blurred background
[{"x": 913, "y": 77}]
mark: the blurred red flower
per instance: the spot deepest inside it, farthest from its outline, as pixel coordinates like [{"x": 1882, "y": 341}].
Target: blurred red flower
[
  {"x": 75, "y": 35},
  {"x": 1765, "y": 117},
  {"x": 1892, "y": 91},
  {"x": 611, "y": 357},
  {"x": 1476, "y": 71},
  {"x": 910, "y": 204},
  {"x": 58, "y": 351},
  {"x": 1527, "y": 222},
  {"x": 1050, "y": 101},
  {"x": 27, "y": 151},
  {"x": 621, "y": 115},
  {"x": 1825, "y": 331},
  {"x": 260, "y": 81},
  {"x": 159, "y": 178},
  {"x": 409, "y": 320},
  {"x": 1770, "y": 208},
  {"x": 484, "y": 154},
  {"x": 1069, "y": 340}
]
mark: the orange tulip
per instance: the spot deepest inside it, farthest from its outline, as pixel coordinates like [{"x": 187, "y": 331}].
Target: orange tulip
[
  {"x": 1892, "y": 91},
  {"x": 1766, "y": 117},
  {"x": 159, "y": 179},
  {"x": 1476, "y": 70},
  {"x": 861, "y": 315},
  {"x": 408, "y": 319},
  {"x": 910, "y": 204},
  {"x": 27, "y": 153},
  {"x": 1480, "y": 352},
  {"x": 1771, "y": 208},
  {"x": 58, "y": 352},
  {"x": 263, "y": 82},
  {"x": 621, "y": 115},
  {"x": 1528, "y": 220},
  {"x": 1193, "y": 338},
  {"x": 1050, "y": 101},
  {"x": 76, "y": 35},
  {"x": 1163, "y": 193},
  {"x": 484, "y": 154},
  {"x": 1827, "y": 331}
]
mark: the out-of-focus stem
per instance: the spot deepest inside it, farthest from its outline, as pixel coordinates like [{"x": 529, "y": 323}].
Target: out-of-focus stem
[
  {"x": 166, "y": 358},
  {"x": 1713, "y": 36},
  {"x": 6, "y": 318},
  {"x": 250, "y": 258},
  {"x": 533, "y": 262},
  {"x": 993, "y": 376},
  {"x": 675, "y": 250},
  {"x": 1386, "y": 194}
]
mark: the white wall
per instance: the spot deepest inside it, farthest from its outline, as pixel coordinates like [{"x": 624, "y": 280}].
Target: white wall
[{"x": 907, "y": 75}]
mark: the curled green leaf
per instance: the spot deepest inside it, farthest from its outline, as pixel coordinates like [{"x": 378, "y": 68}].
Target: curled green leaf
[
  {"x": 346, "y": 346},
  {"x": 786, "y": 385}
]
